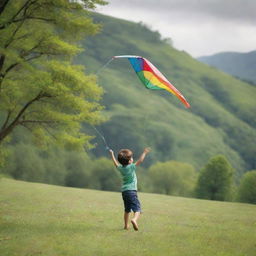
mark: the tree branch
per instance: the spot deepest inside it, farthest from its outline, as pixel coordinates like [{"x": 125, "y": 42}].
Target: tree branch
[
  {"x": 37, "y": 121},
  {"x": 29, "y": 18},
  {"x": 9, "y": 68},
  {"x": 49, "y": 132},
  {"x": 27, "y": 127},
  {"x": 2, "y": 59},
  {"x": 13, "y": 19},
  {"x": 6, "y": 120},
  {"x": 3, "y": 5},
  {"x": 41, "y": 122},
  {"x": 4, "y": 132},
  {"x": 13, "y": 35},
  {"x": 39, "y": 18},
  {"x": 39, "y": 54}
]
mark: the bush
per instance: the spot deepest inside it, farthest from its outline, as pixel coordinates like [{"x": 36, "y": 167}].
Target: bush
[
  {"x": 247, "y": 188},
  {"x": 215, "y": 180},
  {"x": 78, "y": 167},
  {"x": 104, "y": 176},
  {"x": 25, "y": 164},
  {"x": 173, "y": 178}
]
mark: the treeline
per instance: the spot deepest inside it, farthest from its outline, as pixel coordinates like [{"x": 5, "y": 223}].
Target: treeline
[
  {"x": 60, "y": 167},
  {"x": 215, "y": 181}
]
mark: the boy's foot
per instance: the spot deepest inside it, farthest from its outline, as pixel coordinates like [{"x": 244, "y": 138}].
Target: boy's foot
[
  {"x": 126, "y": 228},
  {"x": 135, "y": 225}
]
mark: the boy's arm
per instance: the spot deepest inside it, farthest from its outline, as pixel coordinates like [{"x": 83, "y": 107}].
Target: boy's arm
[
  {"x": 143, "y": 155},
  {"x": 113, "y": 158}
]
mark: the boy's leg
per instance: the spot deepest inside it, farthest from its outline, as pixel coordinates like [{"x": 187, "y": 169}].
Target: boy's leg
[
  {"x": 134, "y": 220},
  {"x": 126, "y": 220}
]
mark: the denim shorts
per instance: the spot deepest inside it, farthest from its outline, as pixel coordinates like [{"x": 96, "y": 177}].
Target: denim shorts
[{"x": 131, "y": 201}]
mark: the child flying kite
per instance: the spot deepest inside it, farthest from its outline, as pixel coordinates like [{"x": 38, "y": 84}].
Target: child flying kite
[{"x": 127, "y": 169}]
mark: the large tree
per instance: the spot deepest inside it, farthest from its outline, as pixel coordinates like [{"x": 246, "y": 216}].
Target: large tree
[
  {"x": 215, "y": 180},
  {"x": 40, "y": 88}
]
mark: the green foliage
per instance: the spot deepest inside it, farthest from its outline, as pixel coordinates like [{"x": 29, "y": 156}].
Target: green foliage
[
  {"x": 74, "y": 169},
  {"x": 58, "y": 166},
  {"x": 104, "y": 176},
  {"x": 2, "y": 175},
  {"x": 40, "y": 88},
  {"x": 144, "y": 181},
  {"x": 78, "y": 168},
  {"x": 173, "y": 178},
  {"x": 215, "y": 180},
  {"x": 25, "y": 164},
  {"x": 60, "y": 97},
  {"x": 247, "y": 188},
  {"x": 221, "y": 106},
  {"x": 3, "y": 156}
]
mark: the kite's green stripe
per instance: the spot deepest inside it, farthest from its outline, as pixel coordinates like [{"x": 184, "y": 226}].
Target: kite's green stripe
[{"x": 146, "y": 82}]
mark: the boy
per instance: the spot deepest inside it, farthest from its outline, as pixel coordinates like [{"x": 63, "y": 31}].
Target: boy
[{"x": 127, "y": 169}]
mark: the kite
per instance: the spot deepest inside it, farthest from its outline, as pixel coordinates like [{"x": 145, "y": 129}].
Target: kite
[{"x": 151, "y": 77}]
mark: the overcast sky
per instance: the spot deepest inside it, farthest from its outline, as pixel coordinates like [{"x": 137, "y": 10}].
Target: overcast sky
[{"x": 200, "y": 27}]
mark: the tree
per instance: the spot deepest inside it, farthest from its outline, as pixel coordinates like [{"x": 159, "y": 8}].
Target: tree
[
  {"x": 173, "y": 178},
  {"x": 215, "y": 180},
  {"x": 247, "y": 188},
  {"x": 78, "y": 166},
  {"x": 40, "y": 89},
  {"x": 26, "y": 164},
  {"x": 104, "y": 176}
]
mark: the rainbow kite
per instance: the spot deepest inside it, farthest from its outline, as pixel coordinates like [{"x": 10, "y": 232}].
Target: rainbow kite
[{"x": 151, "y": 77}]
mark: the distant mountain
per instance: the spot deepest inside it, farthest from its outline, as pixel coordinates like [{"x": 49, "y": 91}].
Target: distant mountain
[
  {"x": 241, "y": 65},
  {"x": 221, "y": 119}
]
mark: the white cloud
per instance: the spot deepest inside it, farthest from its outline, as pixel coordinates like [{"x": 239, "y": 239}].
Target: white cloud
[{"x": 200, "y": 27}]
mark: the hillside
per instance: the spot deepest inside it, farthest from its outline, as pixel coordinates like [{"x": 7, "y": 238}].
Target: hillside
[
  {"x": 39, "y": 219},
  {"x": 242, "y": 65},
  {"x": 222, "y": 115}
]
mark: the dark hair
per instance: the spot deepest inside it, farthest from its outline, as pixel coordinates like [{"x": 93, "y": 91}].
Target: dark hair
[{"x": 124, "y": 156}]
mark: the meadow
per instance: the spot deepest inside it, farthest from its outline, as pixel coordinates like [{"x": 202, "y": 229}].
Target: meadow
[{"x": 40, "y": 219}]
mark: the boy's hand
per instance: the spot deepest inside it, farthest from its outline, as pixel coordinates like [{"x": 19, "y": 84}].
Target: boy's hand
[
  {"x": 116, "y": 163},
  {"x": 147, "y": 150},
  {"x": 141, "y": 158}
]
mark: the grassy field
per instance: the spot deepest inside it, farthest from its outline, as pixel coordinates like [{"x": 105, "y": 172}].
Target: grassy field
[{"x": 39, "y": 219}]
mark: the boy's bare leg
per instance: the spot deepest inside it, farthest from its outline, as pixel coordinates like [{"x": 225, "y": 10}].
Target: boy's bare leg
[
  {"x": 134, "y": 221},
  {"x": 126, "y": 220}
]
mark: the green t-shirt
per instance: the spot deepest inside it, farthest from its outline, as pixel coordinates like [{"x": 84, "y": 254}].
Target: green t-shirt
[{"x": 129, "y": 176}]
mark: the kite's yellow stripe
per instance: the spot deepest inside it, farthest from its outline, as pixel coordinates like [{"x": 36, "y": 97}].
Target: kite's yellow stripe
[{"x": 155, "y": 81}]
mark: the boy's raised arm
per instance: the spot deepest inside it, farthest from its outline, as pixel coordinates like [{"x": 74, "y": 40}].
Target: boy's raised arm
[
  {"x": 141, "y": 158},
  {"x": 113, "y": 158}
]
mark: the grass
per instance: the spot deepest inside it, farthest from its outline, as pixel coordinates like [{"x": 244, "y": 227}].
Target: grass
[{"x": 39, "y": 219}]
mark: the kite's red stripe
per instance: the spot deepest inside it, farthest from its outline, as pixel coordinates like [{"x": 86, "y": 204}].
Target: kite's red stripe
[{"x": 146, "y": 67}]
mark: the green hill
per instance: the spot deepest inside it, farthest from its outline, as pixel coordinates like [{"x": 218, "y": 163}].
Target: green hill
[
  {"x": 242, "y": 65},
  {"x": 222, "y": 115},
  {"x": 39, "y": 219}
]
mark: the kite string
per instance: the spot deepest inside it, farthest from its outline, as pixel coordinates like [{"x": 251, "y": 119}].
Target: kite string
[
  {"x": 97, "y": 131},
  {"x": 102, "y": 67},
  {"x": 102, "y": 137}
]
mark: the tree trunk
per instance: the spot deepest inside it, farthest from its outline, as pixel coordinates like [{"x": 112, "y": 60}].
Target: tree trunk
[{"x": 3, "y": 4}]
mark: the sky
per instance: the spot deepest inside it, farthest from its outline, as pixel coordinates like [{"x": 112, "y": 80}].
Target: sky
[{"x": 199, "y": 27}]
